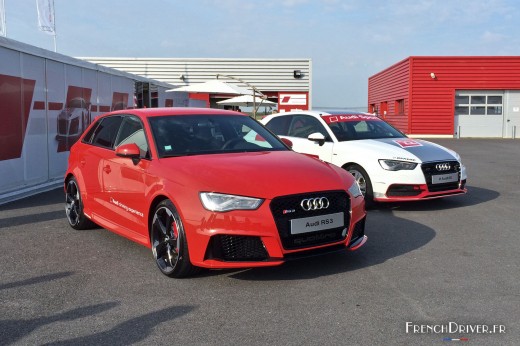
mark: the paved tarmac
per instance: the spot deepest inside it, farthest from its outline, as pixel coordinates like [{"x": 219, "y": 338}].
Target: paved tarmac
[{"x": 429, "y": 263}]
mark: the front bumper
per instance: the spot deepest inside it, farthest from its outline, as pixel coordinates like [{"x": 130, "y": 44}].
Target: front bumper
[
  {"x": 419, "y": 184},
  {"x": 246, "y": 239},
  {"x": 418, "y": 192}
]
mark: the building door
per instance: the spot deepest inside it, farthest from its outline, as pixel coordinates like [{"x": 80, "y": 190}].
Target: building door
[
  {"x": 512, "y": 114},
  {"x": 479, "y": 113}
]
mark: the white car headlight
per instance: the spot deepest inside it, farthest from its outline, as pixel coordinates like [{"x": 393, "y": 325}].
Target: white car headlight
[
  {"x": 393, "y": 165},
  {"x": 355, "y": 190},
  {"x": 221, "y": 202}
]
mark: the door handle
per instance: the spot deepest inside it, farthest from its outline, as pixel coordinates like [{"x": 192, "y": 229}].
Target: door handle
[
  {"x": 82, "y": 162},
  {"x": 107, "y": 169}
]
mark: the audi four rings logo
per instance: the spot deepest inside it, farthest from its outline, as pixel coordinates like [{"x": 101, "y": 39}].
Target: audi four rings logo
[
  {"x": 315, "y": 203},
  {"x": 443, "y": 166}
]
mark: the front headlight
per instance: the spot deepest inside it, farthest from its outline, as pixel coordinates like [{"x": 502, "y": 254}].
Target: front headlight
[
  {"x": 221, "y": 202},
  {"x": 393, "y": 165},
  {"x": 355, "y": 190}
]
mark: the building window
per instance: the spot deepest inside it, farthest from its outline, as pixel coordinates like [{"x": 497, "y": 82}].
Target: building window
[
  {"x": 478, "y": 104},
  {"x": 399, "y": 107}
]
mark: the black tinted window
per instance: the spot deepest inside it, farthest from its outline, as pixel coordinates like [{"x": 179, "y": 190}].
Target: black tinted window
[
  {"x": 90, "y": 133},
  {"x": 106, "y": 132},
  {"x": 279, "y": 125}
]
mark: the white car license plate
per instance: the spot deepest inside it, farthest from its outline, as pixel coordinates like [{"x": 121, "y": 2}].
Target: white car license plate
[
  {"x": 445, "y": 178},
  {"x": 317, "y": 223}
]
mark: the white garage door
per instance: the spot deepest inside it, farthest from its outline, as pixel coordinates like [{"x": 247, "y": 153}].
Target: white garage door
[
  {"x": 512, "y": 114},
  {"x": 479, "y": 113}
]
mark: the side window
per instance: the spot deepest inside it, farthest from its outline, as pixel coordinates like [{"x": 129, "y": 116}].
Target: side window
[
  {"x": 88, "y": 137},
  {"x": 106, "y": 132},
  {"x": 132, "y": 132},
  {"x": 279, "y": 125},
  {"x": 303, "y": 125}
]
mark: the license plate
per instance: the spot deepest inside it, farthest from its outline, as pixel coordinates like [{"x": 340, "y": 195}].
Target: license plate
[
  {"x": 445, "y": 178},
  {"x": 317, "y": 223}
]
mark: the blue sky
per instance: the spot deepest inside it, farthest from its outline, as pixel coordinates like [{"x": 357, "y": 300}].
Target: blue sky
[{"x": 348, "y": 41}]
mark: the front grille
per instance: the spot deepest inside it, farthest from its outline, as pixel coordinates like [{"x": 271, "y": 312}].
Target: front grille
[
  {"x": 403, "y": 191},
  {"x": 63, "y": 126},
  {"x": 74, "y": 126},
  {"x": 429, "y": 170},
  {"x": 287, "y": 208},
  {"x": 236, "y": 248}
]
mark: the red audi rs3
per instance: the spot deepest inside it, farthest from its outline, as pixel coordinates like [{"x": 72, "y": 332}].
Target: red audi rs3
[{"x": 208, "y": 188}]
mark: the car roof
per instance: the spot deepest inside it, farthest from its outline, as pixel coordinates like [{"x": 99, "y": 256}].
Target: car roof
[
  {"x": 156, "y": 112},
  {"x": 342, "y": 112},
  {"x": 318, "y": 113}
]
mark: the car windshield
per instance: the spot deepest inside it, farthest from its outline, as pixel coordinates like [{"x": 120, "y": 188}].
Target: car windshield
[
  {"x": 76, "y": 103},
  {"x": 182, "y": 135},
  {"x": 359, "y": 126}
]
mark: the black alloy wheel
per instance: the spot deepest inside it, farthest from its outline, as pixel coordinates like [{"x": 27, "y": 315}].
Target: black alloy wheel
[
  {"x": 168, "y": 239},
  {"x": 74, "y": 207}
]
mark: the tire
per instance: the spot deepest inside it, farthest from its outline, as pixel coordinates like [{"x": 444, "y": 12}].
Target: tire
[
  {"x": 169, "y": 244},
  {"x": 74, "y": 207},
  {"x": 364, "y": 182}
]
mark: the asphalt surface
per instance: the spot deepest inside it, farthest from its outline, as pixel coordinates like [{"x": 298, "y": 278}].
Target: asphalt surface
[{"x": 434, "y": 262}]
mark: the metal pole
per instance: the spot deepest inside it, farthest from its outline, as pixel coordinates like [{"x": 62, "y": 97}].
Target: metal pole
[
  {"x": 514, "y": 132},
  {"x": 54, "y": 23},
  {"x": 2, "y": 18},
  {"x": 458, "y": 132},
  {"x": 255, "y": 90}
]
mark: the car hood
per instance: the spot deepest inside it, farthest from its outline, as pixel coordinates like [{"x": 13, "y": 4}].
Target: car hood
[
  {"x": 407, "y": 149},
  {"x": 256, "y": 174}
]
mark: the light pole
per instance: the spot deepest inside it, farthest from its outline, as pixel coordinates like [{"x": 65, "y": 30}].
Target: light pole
[{"x": 255, "y": 90}]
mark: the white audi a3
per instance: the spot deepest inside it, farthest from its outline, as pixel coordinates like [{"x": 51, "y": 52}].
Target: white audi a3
[{"x": 387, "y": 165}]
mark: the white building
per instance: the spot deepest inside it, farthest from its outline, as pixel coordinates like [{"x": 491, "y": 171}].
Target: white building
[{"x": 285, "y": 81}]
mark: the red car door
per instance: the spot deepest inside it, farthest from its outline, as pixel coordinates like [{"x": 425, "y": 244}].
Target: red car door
[{"x": 123, "y": 181}]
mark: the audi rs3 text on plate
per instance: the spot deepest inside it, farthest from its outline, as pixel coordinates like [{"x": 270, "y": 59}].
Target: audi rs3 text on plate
[
  {"x": 387, "y": 164},
  {"x": 208, "y": 188}
]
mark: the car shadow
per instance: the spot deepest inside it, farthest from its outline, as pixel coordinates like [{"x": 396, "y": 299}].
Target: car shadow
[
  {"x": 13, "y": 330},
  {"x": 35, "y": 280},
  {"x": 474, "y": 196},
  {"x": 45, "y": 206},
  {"x": 31, "y": 218},
  {"x": 389, "y": 236},
  {"x": 39, "y": 200},
  {"x": 124, "y": 333},
  {"x": 131, "y": 331}
]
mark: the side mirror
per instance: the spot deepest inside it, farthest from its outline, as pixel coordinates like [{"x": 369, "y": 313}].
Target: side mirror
[
  {"x": 130, "y": 151},
  {"x": 287, "y": 142},
  {"x": 317, "y": 137}
]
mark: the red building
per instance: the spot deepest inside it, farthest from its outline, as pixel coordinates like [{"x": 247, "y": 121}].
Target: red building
[{"x": 450, "y": 96}]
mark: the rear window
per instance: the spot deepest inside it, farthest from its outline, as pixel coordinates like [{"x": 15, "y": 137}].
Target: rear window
[{"x": 106, "y": 132}]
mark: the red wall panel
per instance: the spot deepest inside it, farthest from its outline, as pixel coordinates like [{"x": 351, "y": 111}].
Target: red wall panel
[
  {"x": 15, "y": 104},
  {"x": 389, "y": 86},
  {"x": 429, "y": 103}
]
